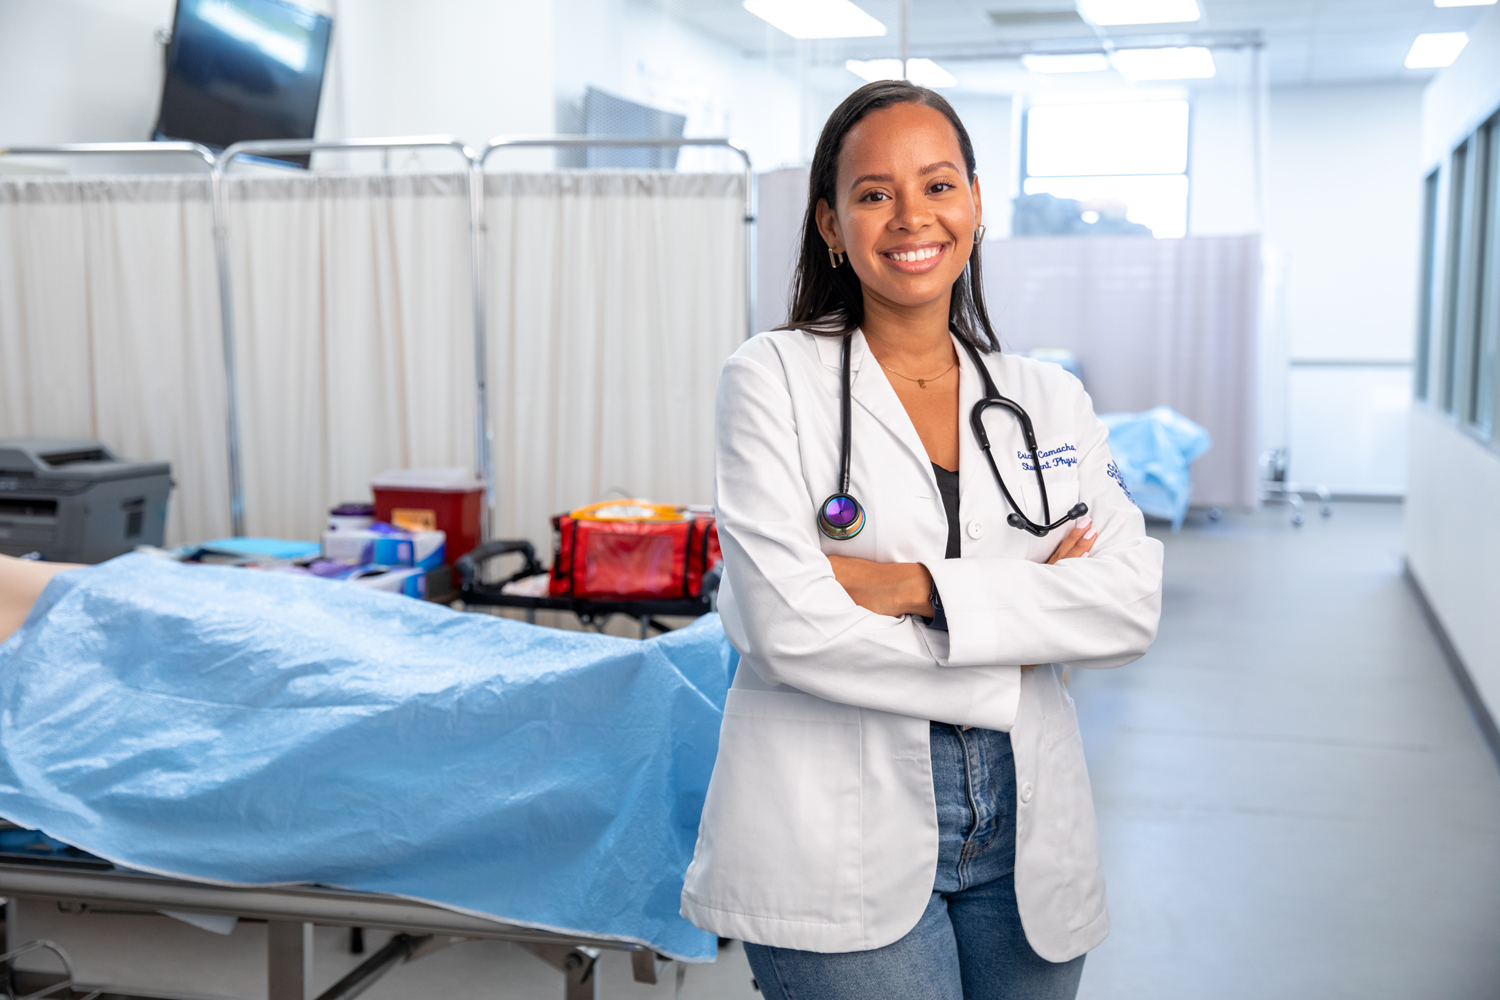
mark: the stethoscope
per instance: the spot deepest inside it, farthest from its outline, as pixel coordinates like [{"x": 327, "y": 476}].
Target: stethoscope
[{"x": 841, "y": 516}]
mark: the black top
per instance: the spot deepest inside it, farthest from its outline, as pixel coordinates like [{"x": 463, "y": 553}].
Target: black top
[{"x": 948, "y": 487}]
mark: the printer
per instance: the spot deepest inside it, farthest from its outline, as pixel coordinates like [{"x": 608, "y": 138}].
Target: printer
[{"x": 74, "y": 501}]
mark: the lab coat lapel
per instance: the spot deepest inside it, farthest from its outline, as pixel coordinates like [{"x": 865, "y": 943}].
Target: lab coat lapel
[{"x": 872, "y": 390}]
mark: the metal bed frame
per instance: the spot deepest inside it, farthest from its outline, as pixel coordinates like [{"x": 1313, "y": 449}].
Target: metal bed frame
[
  {"x": 473, "y": 592},
  {"x": 290, "y": 913},
  {"x": 475, "y": 161}
]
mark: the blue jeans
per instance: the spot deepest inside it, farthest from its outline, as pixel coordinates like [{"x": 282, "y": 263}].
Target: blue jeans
[{"x": 968, "y": 944}]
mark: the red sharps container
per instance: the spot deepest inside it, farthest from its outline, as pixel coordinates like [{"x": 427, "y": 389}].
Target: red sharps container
[{"x": 447, "y": 500}]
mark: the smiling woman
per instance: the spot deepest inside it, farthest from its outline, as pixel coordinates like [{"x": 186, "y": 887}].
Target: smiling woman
[{"x": 900, "y": 806}]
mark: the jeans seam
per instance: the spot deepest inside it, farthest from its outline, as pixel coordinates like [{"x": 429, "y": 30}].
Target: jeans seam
[{"x": 781, "y": 982}]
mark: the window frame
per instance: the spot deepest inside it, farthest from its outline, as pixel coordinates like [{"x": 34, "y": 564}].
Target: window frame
[
  {"x": 1484, "y": 327},
  {"x": 1455, "y": 276},
  {"x": 1422, "y": 376},
  {"x": 1186, "y": 173}
]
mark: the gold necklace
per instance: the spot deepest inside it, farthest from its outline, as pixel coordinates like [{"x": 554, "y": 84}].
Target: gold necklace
[{"x": 921, "y": 382}]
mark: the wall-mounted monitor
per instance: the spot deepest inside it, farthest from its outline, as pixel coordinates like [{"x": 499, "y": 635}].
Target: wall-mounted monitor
[{"x": 243, "y": 69}]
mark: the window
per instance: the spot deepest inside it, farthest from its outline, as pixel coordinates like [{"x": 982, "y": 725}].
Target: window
[
  {"x": 1486, "y": 296},
  {"x": 1424, "y": 289},
  {"x": 1455, "y": 287},
  {"x": 1127, "y": 158}
]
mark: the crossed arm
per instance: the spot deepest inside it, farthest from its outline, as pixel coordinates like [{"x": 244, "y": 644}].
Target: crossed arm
[{"x": 897, "y": 589}]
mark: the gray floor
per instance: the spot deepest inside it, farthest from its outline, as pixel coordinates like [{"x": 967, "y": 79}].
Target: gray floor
[{"x": 1294, "y": 802}]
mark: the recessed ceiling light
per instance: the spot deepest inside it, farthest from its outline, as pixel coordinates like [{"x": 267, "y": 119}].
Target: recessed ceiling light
[
  {"x": 1190, "y": 63},
  {"x": 1462, "y": 3},
  {"x": 1436, "y": 49},
  {"x": 1107, "y": 12},
  {"x": 922, "y": 72},
  {"x": 817, "y": 18},
  {"x": 1080, "y": 62}
]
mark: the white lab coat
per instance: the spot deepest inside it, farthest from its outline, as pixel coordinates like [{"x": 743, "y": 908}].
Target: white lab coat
[{"x": 819, "y": 831}]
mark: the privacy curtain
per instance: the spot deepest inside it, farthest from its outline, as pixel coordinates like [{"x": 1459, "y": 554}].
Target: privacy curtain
[
  {"x": 109, "y": 328},
  {"x": 1152, "y": 322},
  {"x": 614, "y": 298}
]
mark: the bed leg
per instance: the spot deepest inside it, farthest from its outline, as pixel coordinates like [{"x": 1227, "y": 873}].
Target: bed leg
[
  {"x": 289, "y": 960},
  {"x": 578, "y": 966}
]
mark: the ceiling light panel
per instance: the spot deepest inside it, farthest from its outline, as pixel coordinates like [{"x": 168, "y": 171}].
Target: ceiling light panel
[
  {"x": 1111, "y": 12},
  {"x": 1188, "y": 63},
  {"x": 1462, "y": 3},
  {"x": 922, "y": 72},
  {"x": 1082, "y": 62},
  {"x": 1436, "y": 49},
  {"x": 817, "y": 18}
]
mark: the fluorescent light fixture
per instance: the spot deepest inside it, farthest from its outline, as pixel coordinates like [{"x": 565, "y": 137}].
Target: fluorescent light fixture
[
  {"x": 922, "y": 72},
  {"x": 1436, "y": 49},
  {"x": 1462, "y": 3},
  {"x": 817, "y": 18},
  {"x": 1107, "y": 12},
  {"x": 1081, "y": 62},
  {"x": 1189, "y": 63}
]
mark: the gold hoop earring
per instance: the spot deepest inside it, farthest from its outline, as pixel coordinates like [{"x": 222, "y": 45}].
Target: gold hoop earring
[
  {"x": 979, "y": 235},
  {"x": 835, "y": 258}
]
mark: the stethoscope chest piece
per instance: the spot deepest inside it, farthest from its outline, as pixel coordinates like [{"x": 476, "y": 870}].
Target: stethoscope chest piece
[{"x": 840, "y": 517}]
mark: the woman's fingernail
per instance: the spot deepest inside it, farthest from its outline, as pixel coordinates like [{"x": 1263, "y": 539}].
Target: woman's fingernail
[
  {"x": 1091, "y": 534},
  {"x": 1084, "y": 556},
  {"x": 1082, "y": 524}
]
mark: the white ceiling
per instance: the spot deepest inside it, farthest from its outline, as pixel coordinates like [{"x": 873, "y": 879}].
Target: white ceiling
[{"x": 1306, "y": 41}]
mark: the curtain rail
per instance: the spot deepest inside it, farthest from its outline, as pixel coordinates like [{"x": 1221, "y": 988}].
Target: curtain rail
[{"x": 219, "y": 167}]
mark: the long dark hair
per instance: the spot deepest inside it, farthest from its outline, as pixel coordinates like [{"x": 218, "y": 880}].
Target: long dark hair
[{"x": 830, "y": 301}]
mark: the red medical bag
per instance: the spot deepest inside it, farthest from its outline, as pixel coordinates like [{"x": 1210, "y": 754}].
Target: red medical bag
[{"x": 632, "y": 559}]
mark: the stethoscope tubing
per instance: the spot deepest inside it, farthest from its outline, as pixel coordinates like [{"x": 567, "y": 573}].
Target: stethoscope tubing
[{"x": 992, "y": 397}]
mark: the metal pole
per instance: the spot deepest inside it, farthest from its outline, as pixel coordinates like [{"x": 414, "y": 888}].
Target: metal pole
[
  {"x": 483, "y": 450},
  {"x": 905, "y": 37},
  {"x": 273, "y": 147}
]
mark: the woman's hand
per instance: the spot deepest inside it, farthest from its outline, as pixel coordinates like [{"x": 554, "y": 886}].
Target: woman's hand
[
  {"x": 1076, "y": 544},
  {"x": 897, "y": 589},
  {"x": 893, "y": 589}
]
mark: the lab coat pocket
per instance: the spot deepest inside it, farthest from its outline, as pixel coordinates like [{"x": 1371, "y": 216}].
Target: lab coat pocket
[{"x": 784, "y": 798}]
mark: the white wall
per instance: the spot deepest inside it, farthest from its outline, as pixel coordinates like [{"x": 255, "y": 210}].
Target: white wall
[
  {"x": 91, "y": 71},
  {"x": 989, "y": 123},
  {"x": 1342, "y": 214},
  {"x": 1452, "y": 541},
  {"x": 81, "y": 71},
  {"x": 1221, "y": 161},
  {"x": 470, "y": 68},
  {"x": 635, "y": 51}
]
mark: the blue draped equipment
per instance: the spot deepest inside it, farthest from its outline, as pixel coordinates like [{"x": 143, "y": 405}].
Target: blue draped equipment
[{"x": 249, "y": 727}]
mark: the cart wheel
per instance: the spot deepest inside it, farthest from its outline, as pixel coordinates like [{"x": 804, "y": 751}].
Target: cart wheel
[
  {"x": 1215, "y": 513},
  {"x": 1297, "y": 518},
  {"x": 1326, "y": 510}
]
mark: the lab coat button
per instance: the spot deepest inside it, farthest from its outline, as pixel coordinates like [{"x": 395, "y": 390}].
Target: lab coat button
[
  {"x": 975, "y": 528},
  {"x": 1026, "y": 792}
]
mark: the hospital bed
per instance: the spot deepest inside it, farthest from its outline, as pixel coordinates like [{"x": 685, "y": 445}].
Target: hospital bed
[
  {"x": 537, "y": 786},
  {"x": 290, "y": 913}
]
